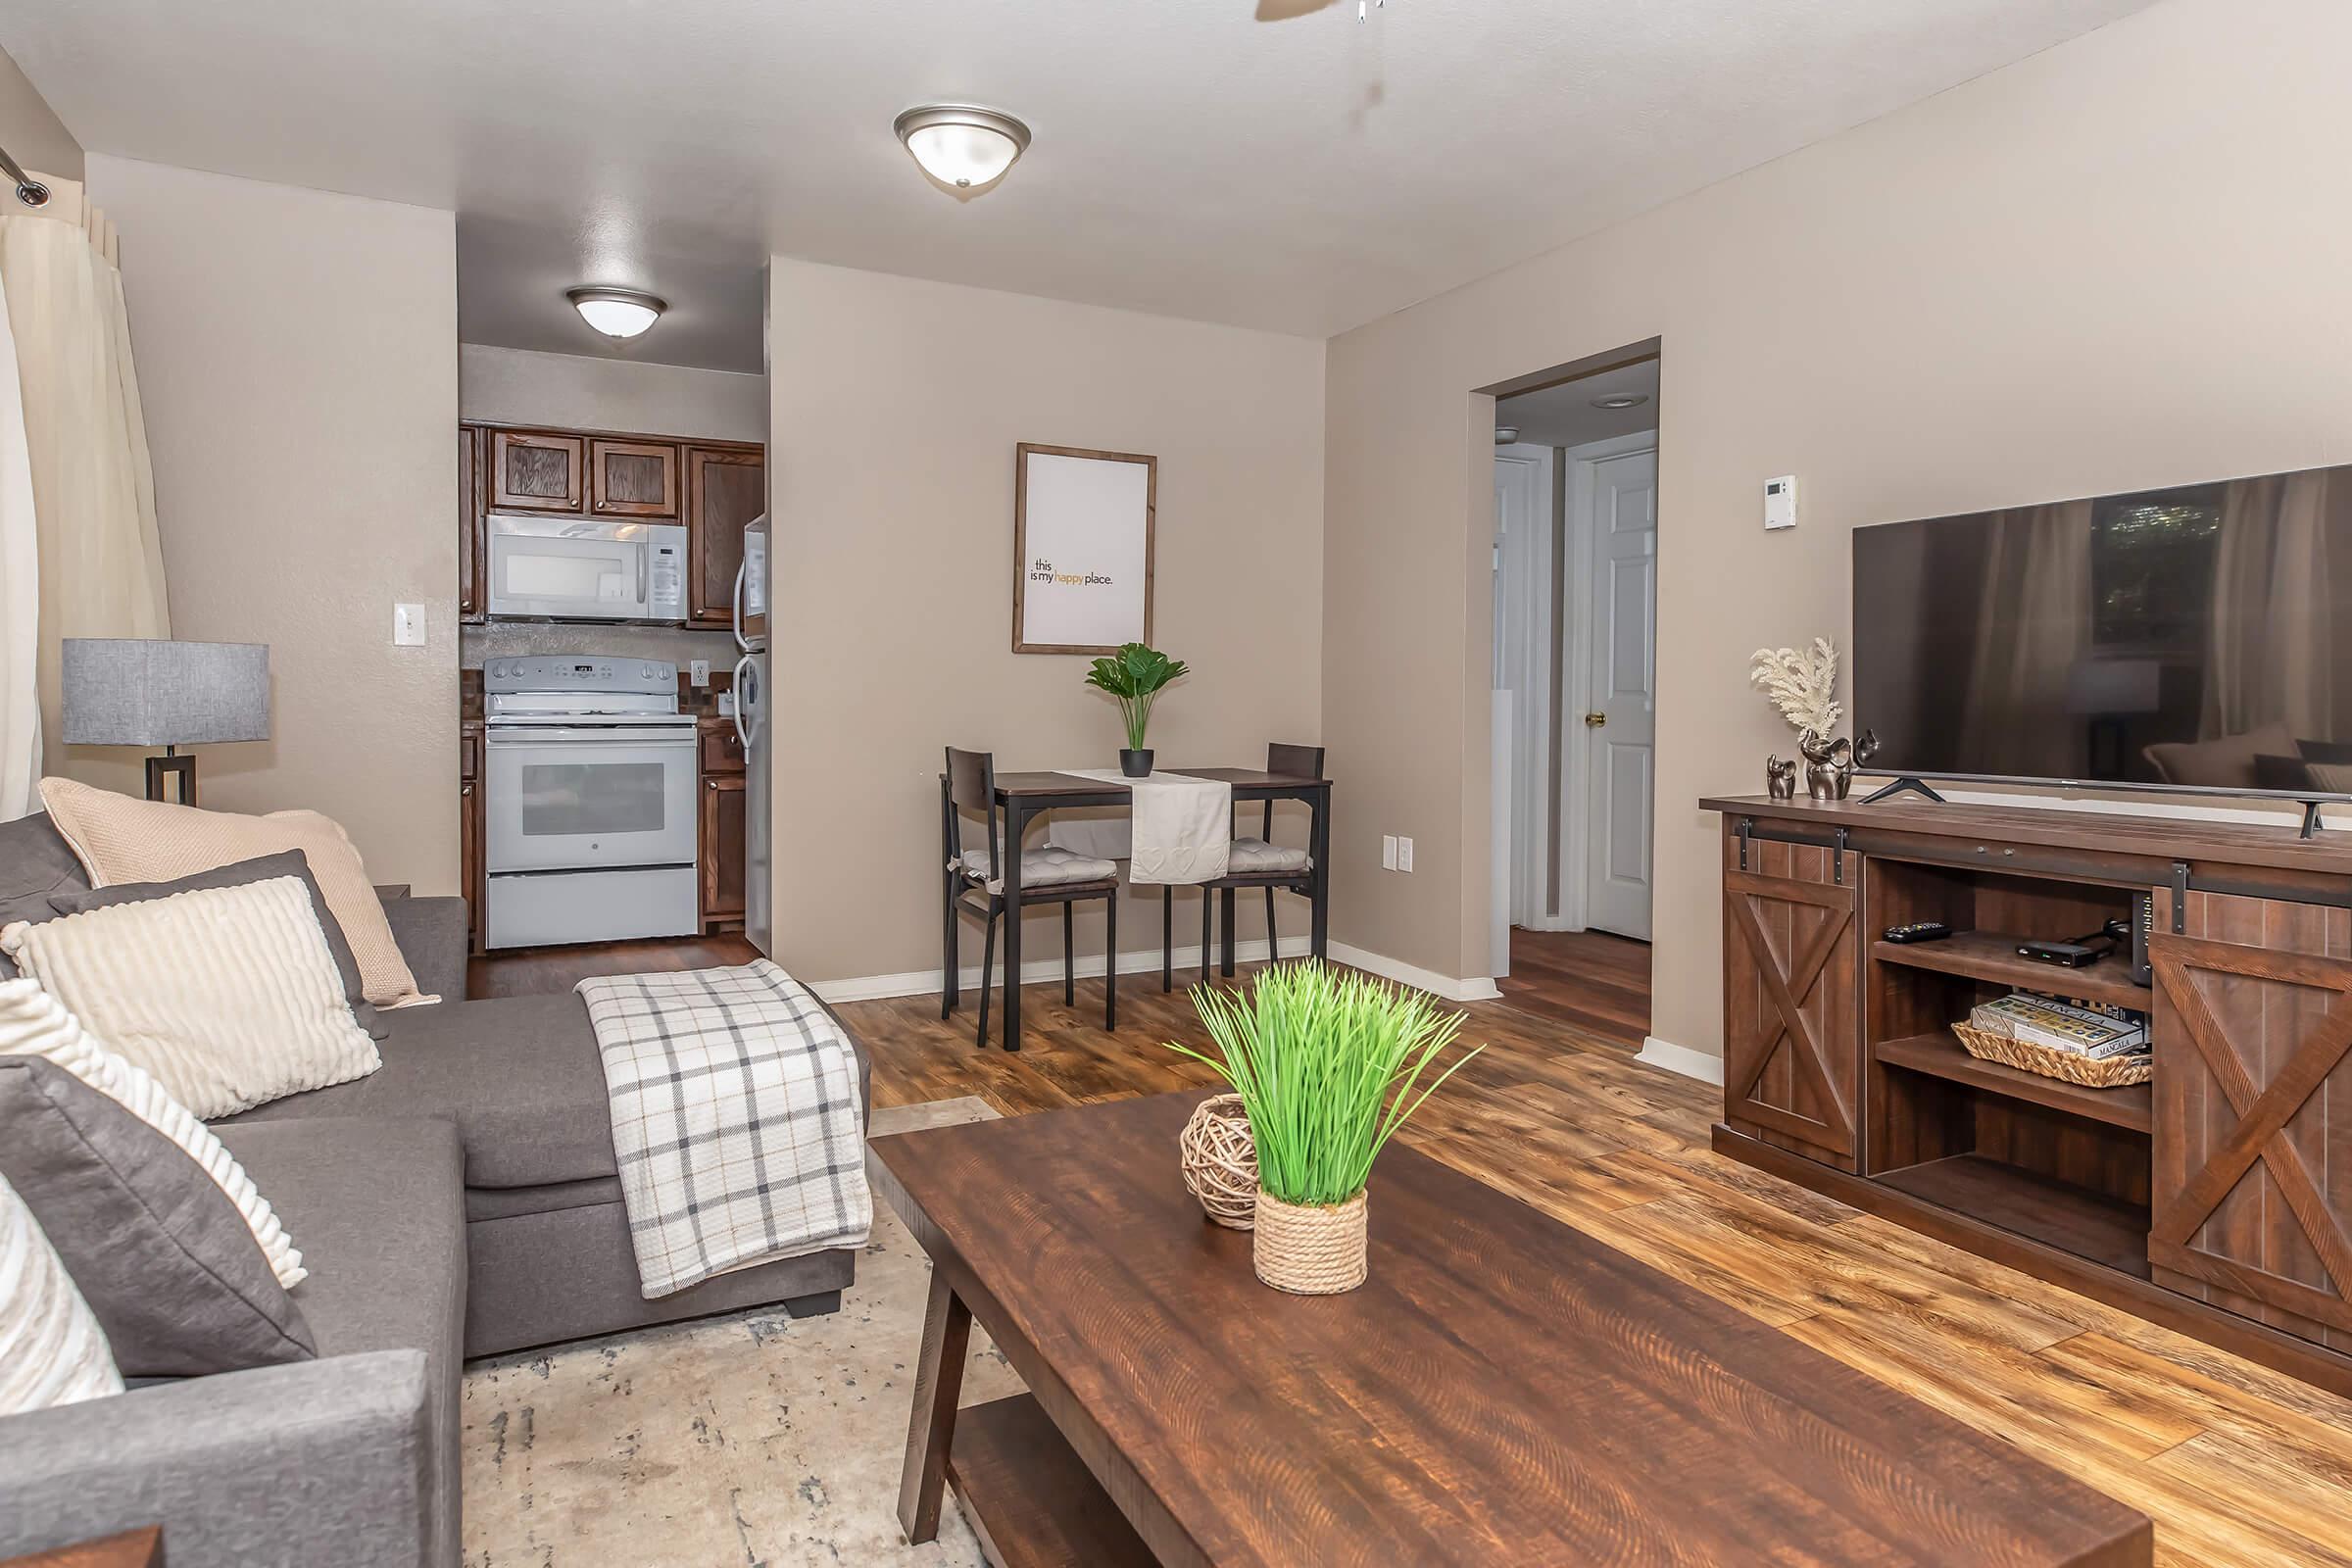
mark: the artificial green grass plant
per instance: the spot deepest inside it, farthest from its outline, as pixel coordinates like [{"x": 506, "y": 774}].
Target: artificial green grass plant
[
  {"x": 1134, "y": 677},
  {"x": 1326, "y": 1062}
]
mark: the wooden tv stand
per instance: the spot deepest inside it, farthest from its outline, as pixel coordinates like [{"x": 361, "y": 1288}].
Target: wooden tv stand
[{"x": 2216, "y": 1199}]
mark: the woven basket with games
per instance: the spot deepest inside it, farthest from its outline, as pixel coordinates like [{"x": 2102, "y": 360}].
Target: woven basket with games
[{"x": 2114, "y": 1072}]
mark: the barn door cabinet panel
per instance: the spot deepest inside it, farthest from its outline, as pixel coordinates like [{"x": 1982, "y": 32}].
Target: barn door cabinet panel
[
  {"x": 536, "y": 470},
  {"x": 726, "y": 489},
  {"x": 1793, "y": 1061},
  {"x": 2253, "y": 1140},
  {"x": 632, "y": 478},
  {"x": 724, "y": 831}
]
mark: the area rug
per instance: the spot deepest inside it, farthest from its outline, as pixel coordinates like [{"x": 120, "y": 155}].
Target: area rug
[{"x": 752, "y": 1439}]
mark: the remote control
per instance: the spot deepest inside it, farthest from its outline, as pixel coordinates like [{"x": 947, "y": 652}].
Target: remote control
[{"x": 1918, "y": 931}]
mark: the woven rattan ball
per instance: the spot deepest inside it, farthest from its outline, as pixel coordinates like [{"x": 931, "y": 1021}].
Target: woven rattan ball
[{"x": 1220, "y": 1161}]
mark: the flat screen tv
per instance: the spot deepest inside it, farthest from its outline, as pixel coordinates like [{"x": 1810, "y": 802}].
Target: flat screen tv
[{"x": 2197, "y": 638}]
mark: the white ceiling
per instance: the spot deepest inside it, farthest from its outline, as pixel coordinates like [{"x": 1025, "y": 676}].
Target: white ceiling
[
  {"x": 1303, "y": 175},
  {"x": 1563, "y": 415}
]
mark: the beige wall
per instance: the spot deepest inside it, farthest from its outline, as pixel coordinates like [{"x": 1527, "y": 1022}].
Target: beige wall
[
  {"x": 296, "y": 360},
  {"x": 32, "y": 132},
  {"x": 581, "y": 392},
  {"x": 2118, "y": 264},
  {"x": 897, "y": 408}
]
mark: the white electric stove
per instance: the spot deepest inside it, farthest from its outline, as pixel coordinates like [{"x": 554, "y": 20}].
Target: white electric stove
[{"x": 588, "y": 802}]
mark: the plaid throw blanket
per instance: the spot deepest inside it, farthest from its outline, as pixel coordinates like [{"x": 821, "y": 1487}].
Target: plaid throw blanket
[{"x": 735, "y": 1120}]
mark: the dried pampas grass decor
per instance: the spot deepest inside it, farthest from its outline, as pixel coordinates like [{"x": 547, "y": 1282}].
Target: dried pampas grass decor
[{"x": 1801, "y": 683}]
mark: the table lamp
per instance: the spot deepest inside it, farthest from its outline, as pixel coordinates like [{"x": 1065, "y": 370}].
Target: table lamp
[{"x": 133, "y": 692}]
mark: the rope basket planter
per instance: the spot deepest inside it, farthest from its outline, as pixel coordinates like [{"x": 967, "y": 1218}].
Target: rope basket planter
[
  {"x": 2114, "y": 1072},
  {"x": 1220, "y": 1161},
  {"x": 1309, "y": 1251}
]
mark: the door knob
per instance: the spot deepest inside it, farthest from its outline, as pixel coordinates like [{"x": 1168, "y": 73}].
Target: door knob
[{"x": 1595, "y": 720}]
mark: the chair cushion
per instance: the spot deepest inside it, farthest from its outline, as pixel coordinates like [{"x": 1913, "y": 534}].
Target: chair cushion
[
  {"x": 1255, "y": 857},
  {"x": 520, "y": 1075},
  {"x": 1045, "y": 866}
]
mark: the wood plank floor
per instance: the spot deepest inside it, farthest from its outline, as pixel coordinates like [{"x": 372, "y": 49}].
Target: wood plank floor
[
  {"x": 1591, "y": 979},
  {"x": 2237, "y": 1464}
]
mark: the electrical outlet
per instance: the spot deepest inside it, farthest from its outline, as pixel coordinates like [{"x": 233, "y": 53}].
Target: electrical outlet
[
  {"x": 698, "y": 671},
  {"x": 1388, "y": 852},
  {"x": 407, "y": 625},
  {"x": 1405, "y": 854}
]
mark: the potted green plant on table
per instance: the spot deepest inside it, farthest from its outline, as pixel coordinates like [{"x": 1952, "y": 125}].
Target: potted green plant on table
[
  {"x": 1327, "y": 1063},
  {"x": 1134, "y": 676}
]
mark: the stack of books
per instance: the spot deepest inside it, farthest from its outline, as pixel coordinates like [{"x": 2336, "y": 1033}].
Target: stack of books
[{"x": 2077, "y": 1028}]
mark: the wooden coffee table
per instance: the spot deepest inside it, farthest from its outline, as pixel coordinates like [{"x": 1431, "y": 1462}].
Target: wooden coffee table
[{"x": 1504, "y": 1389}]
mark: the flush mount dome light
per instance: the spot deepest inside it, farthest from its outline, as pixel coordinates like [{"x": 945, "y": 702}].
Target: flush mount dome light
[
  {"x": 1505, "y": 434},
  {"x": 621, "y": 312},
  {"x": 962, "y": 144},
  {"x": 1623, "y": 399}
]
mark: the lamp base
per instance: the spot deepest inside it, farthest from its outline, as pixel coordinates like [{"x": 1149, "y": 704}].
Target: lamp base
[{"x": 171, "y": 763}]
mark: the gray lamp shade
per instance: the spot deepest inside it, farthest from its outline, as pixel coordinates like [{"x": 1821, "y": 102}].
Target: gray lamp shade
[{"x": 129, "y": 692}]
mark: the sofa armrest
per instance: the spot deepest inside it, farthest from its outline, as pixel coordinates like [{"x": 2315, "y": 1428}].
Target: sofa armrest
[
  {"x": 313, "y": 1462},
  {"x": 433, "y": 935}
]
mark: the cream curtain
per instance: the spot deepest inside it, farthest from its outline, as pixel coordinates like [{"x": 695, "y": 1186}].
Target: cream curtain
[
  {"x": 2016, "y": 719},
  {"x": 20, "y": 597},
  {"x": 100, "y": 563},
  {"x": 2272, "y": 654}
]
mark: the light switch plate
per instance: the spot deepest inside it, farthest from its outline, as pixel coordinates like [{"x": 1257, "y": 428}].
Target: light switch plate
[
  {"x": 407, "y": 625},
  {"x": 1405, "y": 854},
  {"x": 1388, "y": 852}
]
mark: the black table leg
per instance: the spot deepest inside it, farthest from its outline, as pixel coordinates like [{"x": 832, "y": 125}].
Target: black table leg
[
  {"x": 1320, "y": 838},
  {"x": 1225, "y": 913},
  {"x": 1016, "y": 826},
  {"x": 951, "y": 980},
  {"x": 1167, "y": 938}
]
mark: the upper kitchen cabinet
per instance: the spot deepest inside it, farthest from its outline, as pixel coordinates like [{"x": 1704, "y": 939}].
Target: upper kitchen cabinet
[
  {"x": 726, "y": 489},
  {"x": 536, "y": 471},
  {"x": 632, "y": 478}
]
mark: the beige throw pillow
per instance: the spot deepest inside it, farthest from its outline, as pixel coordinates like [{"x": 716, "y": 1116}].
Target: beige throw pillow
[
  {"x": 33, "y": 1023},
  {"x": 227, "y": 996},
  {"x": 51, "y": 1350},
  {"x": 118, "y": 839}
]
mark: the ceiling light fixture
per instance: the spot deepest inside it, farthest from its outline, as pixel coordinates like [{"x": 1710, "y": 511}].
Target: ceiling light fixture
[
  {"x": 962, "y": 144},
  {"x": 1623, "y": 399},
  {"x": 617, "y": 313}
]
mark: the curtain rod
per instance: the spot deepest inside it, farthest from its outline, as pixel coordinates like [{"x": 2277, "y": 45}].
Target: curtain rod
[{"x": 30, "y": 192}]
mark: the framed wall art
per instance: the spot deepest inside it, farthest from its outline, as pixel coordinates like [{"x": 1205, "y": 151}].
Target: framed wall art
[{"x": 1082, "y": 537}]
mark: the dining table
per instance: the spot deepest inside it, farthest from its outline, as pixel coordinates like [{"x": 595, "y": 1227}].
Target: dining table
[{"x": 1025, "y": 797}]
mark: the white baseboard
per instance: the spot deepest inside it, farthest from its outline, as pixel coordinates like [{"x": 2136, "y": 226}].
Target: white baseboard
[
  {"x": 1683, "y": 1059},
  {"x": 1043, "y": 971},
  {"x": 1478, "y": 988}
]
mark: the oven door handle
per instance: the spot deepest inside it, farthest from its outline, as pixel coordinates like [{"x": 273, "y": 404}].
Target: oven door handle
[
  {"x": 613, "y": 738},
  {"x": 644, "y": 606}
]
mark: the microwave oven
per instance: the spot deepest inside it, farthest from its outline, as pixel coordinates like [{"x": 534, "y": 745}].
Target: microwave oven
[{"x": 585, "y": 570}]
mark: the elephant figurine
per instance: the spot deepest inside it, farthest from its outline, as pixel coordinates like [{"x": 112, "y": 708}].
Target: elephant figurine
[
  {"x": 1780, "y": 778},
  {"x": 1829, "y": 765}
]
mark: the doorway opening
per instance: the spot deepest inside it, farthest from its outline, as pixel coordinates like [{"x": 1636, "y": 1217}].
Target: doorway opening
[{"x": 1574, "y": 688}]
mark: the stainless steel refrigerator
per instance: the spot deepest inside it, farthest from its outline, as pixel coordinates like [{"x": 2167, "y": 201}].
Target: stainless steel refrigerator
[{"x": 752, "y": 725}]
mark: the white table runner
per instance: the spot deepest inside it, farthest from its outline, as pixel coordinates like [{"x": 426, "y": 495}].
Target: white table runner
[{"x": 1179, "y": 829}]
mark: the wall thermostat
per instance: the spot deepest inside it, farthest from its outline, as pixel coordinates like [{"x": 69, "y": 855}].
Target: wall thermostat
[{"x": 1779, "y": 502}]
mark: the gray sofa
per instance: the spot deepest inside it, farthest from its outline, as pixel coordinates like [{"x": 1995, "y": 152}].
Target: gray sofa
[{"x": 461, "y": 1201}]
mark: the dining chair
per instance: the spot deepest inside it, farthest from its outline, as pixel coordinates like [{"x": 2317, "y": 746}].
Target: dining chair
[
  {"x": 1251, "y": 863},
  {"x": 1048, "y": 875}
]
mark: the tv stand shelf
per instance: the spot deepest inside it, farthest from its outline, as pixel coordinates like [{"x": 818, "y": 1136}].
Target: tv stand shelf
[
  {"x": 1991, "y": 956},
  {"x": 1841, "y": 1071},
  {"x": 1940, "y": 1055}
]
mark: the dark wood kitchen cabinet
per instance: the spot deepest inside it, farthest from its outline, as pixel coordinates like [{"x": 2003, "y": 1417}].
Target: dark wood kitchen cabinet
[
  {"x": 632, "y": 478},
  {"x": 723, "y": 819},
  {"x": 473, "y": 596},
  {"x": 536, "y": 470},
  {"x": 726, "y": 488}
]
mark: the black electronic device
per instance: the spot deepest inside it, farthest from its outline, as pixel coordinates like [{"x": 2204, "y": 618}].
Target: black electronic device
[
  {"x": 1918, "y": 931},
  {"x": 2077, "y": 954}
]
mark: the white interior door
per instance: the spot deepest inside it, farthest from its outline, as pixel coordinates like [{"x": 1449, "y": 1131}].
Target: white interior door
[
  {"x": 1621, "y": 725},
  {"x": 1524, "y": 656}
]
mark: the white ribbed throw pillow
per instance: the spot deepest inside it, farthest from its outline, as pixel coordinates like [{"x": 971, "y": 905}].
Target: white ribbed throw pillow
[
  {"x": 52, "y": 1351},
  {"x": 230, "y": 997},
  {"x": 33, "y": 1023}
]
